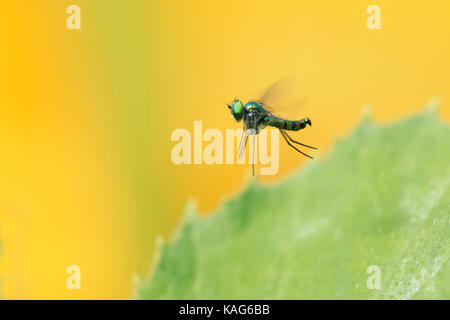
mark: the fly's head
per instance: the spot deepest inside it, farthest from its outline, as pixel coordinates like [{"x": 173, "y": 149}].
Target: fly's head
[{"x": 237, "y": 109}]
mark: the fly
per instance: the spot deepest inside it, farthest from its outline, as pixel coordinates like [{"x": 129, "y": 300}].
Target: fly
[{"x": 256, "y": 117}]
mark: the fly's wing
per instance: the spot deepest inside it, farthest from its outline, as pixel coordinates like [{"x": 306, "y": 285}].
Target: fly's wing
[
  {"x": 292, "y": 110},
  {"x": 275, "y": 92},
  {"x": 275, "y": 99}
]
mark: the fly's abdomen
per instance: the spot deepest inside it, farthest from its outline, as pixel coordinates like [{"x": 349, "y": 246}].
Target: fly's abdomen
[{"x": 287, "y": 124}]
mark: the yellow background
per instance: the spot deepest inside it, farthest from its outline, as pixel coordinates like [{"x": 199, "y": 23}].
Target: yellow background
[{"x": 86, "y": 115}]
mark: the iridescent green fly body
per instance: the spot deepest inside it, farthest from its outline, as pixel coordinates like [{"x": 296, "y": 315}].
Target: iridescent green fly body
[{"x": 256, "y": 116}]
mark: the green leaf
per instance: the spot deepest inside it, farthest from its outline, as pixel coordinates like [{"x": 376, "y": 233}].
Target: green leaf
[{"x": 380, "y": 198}]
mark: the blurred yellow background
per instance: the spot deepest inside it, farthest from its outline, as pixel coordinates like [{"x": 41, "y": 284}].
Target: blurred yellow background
[{"x": 86, "y": 115}]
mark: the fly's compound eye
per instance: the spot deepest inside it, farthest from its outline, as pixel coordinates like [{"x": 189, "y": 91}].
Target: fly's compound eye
[{"x": 237, "y": 110}]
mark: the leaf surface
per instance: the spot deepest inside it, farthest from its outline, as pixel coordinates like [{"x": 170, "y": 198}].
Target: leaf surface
[{"x": 380, "y": 198}]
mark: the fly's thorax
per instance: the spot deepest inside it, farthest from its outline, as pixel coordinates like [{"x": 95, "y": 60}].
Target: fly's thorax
[
  {"x": 255, "y": 121},
  {"x": 261, "y": 126},
  {"x": 252, "y": 106}
]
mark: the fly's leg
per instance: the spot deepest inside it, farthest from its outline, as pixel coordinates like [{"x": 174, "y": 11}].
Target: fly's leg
[
  {"x": 253, "y": 158},
  {"x": 242, "y": 143},
  {"x": 292, "y": 140},
  {"x": 291, "y": 145}
]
